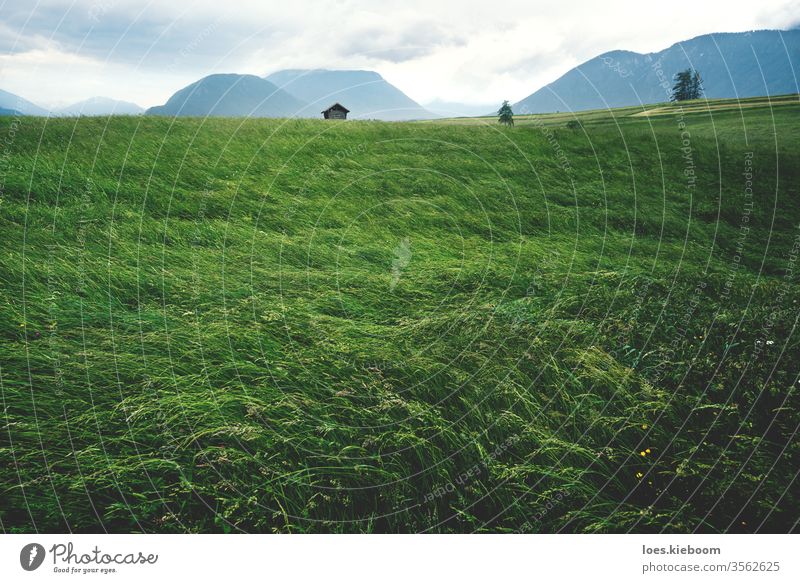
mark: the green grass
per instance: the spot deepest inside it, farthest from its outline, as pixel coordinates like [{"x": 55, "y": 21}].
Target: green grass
[
  {"x": 646, "y": 109},
  {"x": 299, "y": 326}
]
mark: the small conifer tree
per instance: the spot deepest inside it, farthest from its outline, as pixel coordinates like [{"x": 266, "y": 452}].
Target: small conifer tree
[{"x": 504, "y": 115}]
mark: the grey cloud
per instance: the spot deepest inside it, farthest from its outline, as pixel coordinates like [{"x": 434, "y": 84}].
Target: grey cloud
[
  {"x": 103, "y": 31},
  {"x": 398, "y": 45}
]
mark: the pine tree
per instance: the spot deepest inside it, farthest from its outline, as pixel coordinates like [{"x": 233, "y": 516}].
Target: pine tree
[
  {"x": 697, "y": 86},
  {"x": 688, "y": 85},
  {"x": 680, "y": 90},
  {"x": 504, "y": 115}
]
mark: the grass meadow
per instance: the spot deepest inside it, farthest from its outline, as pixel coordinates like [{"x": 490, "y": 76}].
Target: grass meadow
[{"x": 226, "y": 325}]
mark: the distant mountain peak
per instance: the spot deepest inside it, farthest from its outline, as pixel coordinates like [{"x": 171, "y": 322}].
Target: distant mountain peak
[
  {"x": 733, "y": 64},
  {"x": 231, "y": 95},
  {"x": 15, "y": 103},
  {"x": 100, "y": 105},
  {"x": 365, "y": 93}
]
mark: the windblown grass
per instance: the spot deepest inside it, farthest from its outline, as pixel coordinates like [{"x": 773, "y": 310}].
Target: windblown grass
[{"x": 300, "y": 326}]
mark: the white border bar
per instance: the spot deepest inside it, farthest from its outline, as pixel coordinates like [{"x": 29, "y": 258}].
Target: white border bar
[{"x": 408, "y": 558}]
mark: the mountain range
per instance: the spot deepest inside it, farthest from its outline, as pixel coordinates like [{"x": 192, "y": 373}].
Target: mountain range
[
  {"x": 746, "y": 64},
  {"x": 230, "y": 95},
  {"x": 11, "y": 104},
  {"x": 365, "y": 93},
  {"x": 293, "y": 93}
]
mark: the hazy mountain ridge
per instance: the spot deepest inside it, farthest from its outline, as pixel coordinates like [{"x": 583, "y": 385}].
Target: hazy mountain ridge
[
  {"x": 100, "y": 106},
  {"x": 15, "y": 103},
  {"x": 231, "y": 95},
  {"x": 11, "y": 104},
  {"x": 458, "y": 109},
  {"x": 746, "y": 64},
  {"x": 365, "y": 93}
]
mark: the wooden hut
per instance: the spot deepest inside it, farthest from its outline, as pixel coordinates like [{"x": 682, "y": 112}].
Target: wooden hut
[{"x": 336, "y": 111}]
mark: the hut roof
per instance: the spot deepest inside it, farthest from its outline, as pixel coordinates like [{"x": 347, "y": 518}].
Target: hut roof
[{"x": 338, "y": 106}]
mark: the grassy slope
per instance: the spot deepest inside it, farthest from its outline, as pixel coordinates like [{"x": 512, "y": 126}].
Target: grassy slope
[{"x": 304, "y": 326}]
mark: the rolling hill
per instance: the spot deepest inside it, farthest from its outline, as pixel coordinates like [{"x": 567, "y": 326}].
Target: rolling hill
[
  {"x": 750, "y": 64},
  {"x": 257, "y": 325},
  {"x": 365, "y": 93},
  {"x": 231, "y": 95}
]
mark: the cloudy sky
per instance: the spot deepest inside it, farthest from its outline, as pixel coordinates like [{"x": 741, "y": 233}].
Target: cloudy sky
[{"x": 55, "y": 52}]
